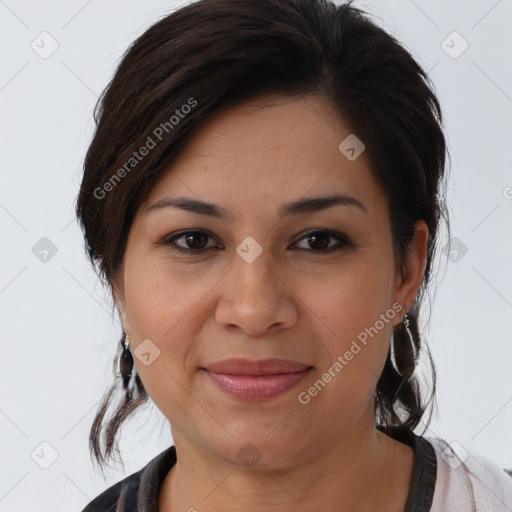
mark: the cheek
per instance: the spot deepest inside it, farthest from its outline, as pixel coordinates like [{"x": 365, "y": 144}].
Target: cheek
[
  {"x": 356, "y": 311},
  {"x": 345, "y": 380},
  {"x": 158, "y": 297},
  {"x": 158, "y": 307},
  {"x": 353, "y": 299}
]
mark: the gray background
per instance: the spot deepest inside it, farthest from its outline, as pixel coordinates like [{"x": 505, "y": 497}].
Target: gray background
[{"x": 58, "y": 337}]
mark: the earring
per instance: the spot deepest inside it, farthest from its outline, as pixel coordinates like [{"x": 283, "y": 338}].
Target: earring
[
  {"x": 403, "y": 352},
  {"x": 126, "y": 365}
]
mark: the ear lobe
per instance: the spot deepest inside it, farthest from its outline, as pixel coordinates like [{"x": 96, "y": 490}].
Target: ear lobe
[{"x": 124, "y": 318}]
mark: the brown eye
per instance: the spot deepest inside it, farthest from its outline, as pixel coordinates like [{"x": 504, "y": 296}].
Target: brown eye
[
  {"x": 196, "y": 240},
  {"x": 319, "y": 241},
  {"x": 193, "y": 242}
]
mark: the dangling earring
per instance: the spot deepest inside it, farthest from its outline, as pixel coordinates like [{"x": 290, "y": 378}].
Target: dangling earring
[
  {"x": 126, "y": 365},
  {"x": 402, "y": 350}
]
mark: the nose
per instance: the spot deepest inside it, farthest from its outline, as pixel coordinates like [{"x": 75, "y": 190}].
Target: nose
[{"x": 257, "y": 297}]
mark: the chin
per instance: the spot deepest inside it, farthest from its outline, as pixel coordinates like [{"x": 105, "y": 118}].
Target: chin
[{"x": 257, "y": 447}]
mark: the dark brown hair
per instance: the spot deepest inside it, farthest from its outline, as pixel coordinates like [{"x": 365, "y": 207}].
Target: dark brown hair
[{"x": 213, "y": 54}]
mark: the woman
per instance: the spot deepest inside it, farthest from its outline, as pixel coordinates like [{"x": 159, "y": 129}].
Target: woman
[{"x": 232, "y": 140}]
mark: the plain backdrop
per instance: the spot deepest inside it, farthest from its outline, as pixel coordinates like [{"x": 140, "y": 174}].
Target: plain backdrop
[{"x": 57, "y": 335}]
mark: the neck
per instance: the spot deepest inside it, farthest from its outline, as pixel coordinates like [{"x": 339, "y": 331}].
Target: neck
[{"x": 366, "y": 470}]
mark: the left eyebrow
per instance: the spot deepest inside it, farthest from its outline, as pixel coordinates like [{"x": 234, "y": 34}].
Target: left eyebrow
[
  {"x": 308, "y": 205},
  {"x": 315, "y": 204}
]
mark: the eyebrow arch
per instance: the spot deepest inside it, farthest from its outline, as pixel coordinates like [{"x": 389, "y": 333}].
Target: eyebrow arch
[{"x": 307, "y": 205}]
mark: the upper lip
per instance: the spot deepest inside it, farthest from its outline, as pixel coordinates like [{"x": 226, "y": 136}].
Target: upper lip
[{"x": 241, "y": 366}]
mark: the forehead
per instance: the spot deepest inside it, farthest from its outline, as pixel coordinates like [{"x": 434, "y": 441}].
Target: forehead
[{"x": 268, "y": 150}]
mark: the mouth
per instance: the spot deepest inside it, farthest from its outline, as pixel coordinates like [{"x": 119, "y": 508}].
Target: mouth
[
  {"x": 247, "y": 367},
  {"x": 255, "y": 380}
]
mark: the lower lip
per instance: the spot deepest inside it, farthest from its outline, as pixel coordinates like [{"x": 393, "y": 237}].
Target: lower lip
[{"x": 251, "y": 387}]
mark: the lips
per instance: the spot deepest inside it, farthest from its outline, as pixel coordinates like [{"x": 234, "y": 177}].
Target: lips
[
  {"x": 241, "y": 366},
  {"x": 256, "y": 380}
]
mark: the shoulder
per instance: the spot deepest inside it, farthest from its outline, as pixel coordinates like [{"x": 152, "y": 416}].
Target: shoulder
[
  {"x": 141, "y": 486},
  {"x": 468, "y": 481},
  {"x": 123, "y": 491}
]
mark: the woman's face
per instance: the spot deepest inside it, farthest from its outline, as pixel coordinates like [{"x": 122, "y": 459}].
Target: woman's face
[{"x": 259, "y": 285}]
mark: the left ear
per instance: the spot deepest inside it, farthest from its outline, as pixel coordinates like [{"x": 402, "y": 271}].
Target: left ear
[{"x": 407, "y": 287}]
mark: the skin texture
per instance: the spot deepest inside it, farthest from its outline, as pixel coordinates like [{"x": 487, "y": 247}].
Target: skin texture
[{"x": 293, "y": 302}]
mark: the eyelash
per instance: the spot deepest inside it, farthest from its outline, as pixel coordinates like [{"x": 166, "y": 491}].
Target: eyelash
[{"x": 340, "y": 237}]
